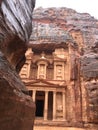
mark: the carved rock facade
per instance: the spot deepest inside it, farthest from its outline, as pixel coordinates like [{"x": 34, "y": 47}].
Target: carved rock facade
[
  {"x": 16, "y": 107},
  {"x": 63, "y": 36}
]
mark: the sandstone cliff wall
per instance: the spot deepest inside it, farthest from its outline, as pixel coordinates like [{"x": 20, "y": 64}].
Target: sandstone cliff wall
[
  {"x": 16, "y": 107},
  {"x": 82, "y": 31}
]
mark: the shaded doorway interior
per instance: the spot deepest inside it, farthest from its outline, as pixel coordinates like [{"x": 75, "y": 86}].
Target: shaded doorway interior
[
  {"x": 30, "y": 93},
  {"x": 39, "y": 108},
  {"x": 40, "y": 97}
]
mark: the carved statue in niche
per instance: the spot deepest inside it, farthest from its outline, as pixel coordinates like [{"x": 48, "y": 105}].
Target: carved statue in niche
[
  {"x": 42, "y": 71},
  {"x": 42, "y": 65},
  {"x": 59, "y": 72},
  {"x": 50, "y": 69},
  {"x": 59, "y": 105},
  {"x": 33, "y": 71},
  {"x": 24, "y": 71}
]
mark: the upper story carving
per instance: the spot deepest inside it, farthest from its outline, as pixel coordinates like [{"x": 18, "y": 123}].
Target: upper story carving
[{"x": 48, "y": 64}]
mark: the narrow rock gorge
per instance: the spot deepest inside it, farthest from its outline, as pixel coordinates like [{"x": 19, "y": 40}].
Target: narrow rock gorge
[
  {"x": 16, "y": 107},
  {"x": 80, "y": 31},
  {"x": 63, "y": 43}
]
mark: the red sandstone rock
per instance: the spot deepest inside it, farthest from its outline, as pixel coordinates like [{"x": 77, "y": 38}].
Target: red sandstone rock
[
  {"x": 82, "y": 31},
  {"x": 16, "y": 107}
]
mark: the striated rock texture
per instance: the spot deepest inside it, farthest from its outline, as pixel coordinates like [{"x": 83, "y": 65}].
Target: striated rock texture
[
  {"x": 15, "y": 28},
  {"x": 82, "y": 31},
  {"x": 16, "y": 107}
]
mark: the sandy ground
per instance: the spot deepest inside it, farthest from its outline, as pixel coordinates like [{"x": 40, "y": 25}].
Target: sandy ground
[{"x": 55, "y": 128}]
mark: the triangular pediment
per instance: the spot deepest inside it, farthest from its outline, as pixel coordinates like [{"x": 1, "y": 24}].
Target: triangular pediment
[{"x": 40, "y": 82}]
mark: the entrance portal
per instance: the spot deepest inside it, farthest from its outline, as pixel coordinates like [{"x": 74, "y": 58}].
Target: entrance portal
[
  {"x": 40, "y": 97},
  {"x": 39, "y": 108}
]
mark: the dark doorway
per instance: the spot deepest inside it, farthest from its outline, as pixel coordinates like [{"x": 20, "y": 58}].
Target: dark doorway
[
  {"x": 30, "y": 93},
  {"x": 39, "y": 108},
  {"x": 40, "y": 97}
]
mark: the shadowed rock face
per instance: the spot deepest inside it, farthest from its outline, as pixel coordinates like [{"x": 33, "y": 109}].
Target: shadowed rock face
[
  {"x": 81, "y": 29},
  {"x": 15, "y": 28},
  {"x": 16, "y": 107}
]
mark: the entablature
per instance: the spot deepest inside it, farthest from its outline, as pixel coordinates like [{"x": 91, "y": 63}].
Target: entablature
[{"x": 45, "y": 83}]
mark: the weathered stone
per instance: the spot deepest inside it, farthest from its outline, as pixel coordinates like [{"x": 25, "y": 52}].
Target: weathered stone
[
  {"x": 16, "y": 107},
  {"x": 89, "y": 69},
  {"x": 15, "y": 28},
  {"x": 65, "y": 26},
  {"x": 92, "y": 95}
]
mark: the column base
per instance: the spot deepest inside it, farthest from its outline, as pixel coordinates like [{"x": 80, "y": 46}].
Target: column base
[
  {"x": 45, "y": 119},
  {"x": 54, "y": 120}
]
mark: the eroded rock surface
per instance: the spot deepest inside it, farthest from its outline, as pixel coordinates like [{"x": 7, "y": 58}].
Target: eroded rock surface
[
  {"x": 82, "y": 30},
  {"x": 16, "y": 107},
  {"x": 15, "y": 28}
]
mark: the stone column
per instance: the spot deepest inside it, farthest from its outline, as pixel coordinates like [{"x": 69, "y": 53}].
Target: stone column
[
  {"x": 28, "y": 67},
  {"x": 54, "y": 105},
  {"x": 46, "y": 106},
  {"x": 34, "y": 95},
  {"x": 54, "y": 71},
  {"x": 64, "y": 104}
]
